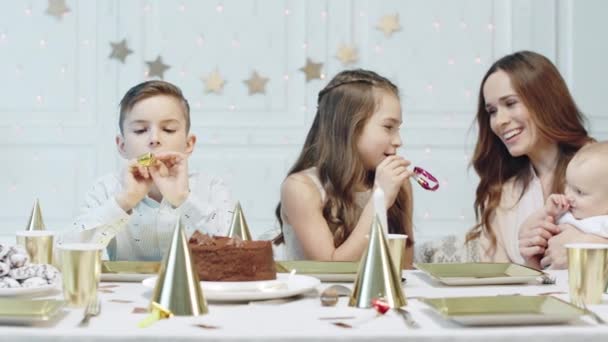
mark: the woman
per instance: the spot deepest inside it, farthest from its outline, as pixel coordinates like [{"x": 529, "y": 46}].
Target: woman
[{"x": 529, "y": 129}]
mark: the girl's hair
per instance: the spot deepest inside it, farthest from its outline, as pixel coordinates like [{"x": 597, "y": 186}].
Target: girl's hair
[
  {"x": 542, "y": 90},
  {"x": 344, "y": 106}
]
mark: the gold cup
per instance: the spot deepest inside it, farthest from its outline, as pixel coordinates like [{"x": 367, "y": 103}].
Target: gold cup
[
  {"x": 38, "y": 244},
  {"x": 587, "y": 272},
  {"x": 396, "y": 248},
  {"x": 81, "y": 269}
]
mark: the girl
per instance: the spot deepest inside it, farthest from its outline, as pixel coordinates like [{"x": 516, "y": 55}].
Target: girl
[
  {"x": 326, "y": 208},
  {"x": 529, "y": 129}
]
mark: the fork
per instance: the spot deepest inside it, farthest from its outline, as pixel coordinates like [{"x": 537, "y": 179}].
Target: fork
[
  {"x": 407, "y": 316},
  {"x": 547, "y": 279},
  {"x": 92, "y": 309},
  {"x": 593, "y": 315}
]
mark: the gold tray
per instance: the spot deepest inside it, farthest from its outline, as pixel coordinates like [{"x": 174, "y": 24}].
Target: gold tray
[
  {"x": 328, "y": 271},
  {"x": 480, "y": 273},
  {"x": 24, "y": 311},
  {"x": 128, "y": 271},
  {"x": 505, "y": 310}
]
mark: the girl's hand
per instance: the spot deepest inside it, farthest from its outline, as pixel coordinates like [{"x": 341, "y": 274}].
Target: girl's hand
[
  {"x": 534, "y": 236},
  {"x": 556, "y": 205},
  {"x": 391, "y": 173}
]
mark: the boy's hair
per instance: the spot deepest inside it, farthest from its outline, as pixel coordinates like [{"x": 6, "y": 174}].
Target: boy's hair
[{"x": 149, "y": 89}]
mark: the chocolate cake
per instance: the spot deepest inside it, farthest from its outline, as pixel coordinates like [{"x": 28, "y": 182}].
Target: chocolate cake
[{"x": 220, "y": 258}]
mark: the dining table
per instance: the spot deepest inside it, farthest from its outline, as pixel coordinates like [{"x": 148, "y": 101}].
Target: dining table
[{"x": 304, "y": 318}]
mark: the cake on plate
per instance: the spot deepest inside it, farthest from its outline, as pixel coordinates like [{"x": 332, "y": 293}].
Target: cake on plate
[{"x": 219, "y": 258}]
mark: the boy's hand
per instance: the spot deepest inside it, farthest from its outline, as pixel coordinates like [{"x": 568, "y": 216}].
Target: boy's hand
[
  {"x": 556, "y": 205},
  {"x": 136, "y": 183},
  {"x": 170, "y": 174}
]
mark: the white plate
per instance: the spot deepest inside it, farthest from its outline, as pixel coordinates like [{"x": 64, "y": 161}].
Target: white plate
[
  {"x": 26, "y": 291},
  {"x": 124, "y": 277},
  {"x": 284, "y": 286},
  {"x": 335, "y": 277}
]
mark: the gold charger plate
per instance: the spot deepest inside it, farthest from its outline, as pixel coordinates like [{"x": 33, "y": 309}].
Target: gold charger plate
[
  {"x": 505, "y": 310},
  {"x": 128, "y": 271},
  {"x": 480, "y": 273},
  {"x": 328, "y": 271},
  {"x": 24, "y": 311}
]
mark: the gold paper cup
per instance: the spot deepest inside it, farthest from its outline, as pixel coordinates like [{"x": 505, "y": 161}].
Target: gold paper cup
[
  {"x": 587, "y": 272},
  {"x": 80, "y": 269},
  {"x": 396, "y": 248},
  {"x": 38, "y": 244}
]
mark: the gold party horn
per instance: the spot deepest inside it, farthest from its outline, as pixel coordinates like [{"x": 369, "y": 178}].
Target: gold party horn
[
  {"x": 238, "y": 226},
  {"x": 178, "y": 288},
  {"x": 376, "y": 277},
  {"x": 587, "y": 272},
  {"x": 35, "y": 222},
  {"x": 146, "y": 159},
  {"x": 157, "y": 313}
]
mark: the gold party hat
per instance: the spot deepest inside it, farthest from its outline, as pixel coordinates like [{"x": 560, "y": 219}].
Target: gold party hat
[
  {"x": 238, "y": 226},
  {"x": 376, "y": 277},
  {"x": 177, "y": 287},
  {"x": 36, "y": 222}
]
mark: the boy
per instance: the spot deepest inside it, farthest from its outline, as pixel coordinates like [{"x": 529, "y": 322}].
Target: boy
[{"x": 134, "y": 213}]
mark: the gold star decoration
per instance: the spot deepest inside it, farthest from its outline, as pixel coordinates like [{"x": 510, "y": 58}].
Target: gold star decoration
[
  {"x": 214, "y": 83},
  {"x": 256, "y": 83},
  {"x": 389, "y": 24},
  {"x": 312, "y": 70},
  {"x": 157, "y": 68},
  {"x": 120, "y": 50},
  {"x": 347, "y": 54},
  {"x": 57, "y": 9}
]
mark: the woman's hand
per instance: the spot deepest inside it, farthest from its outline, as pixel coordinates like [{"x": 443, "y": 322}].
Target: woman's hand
[
  {"x": 556, "y": 254},
  {"x": 534, "y": 236}
]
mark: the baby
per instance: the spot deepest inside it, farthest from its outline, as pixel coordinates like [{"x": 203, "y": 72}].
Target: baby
[{"x": 585, "y": 202}]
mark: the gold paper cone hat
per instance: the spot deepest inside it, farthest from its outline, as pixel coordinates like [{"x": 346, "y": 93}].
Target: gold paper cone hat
[
  {"x": 376, "y": 277},
  {"x": 238, "y": 226},
  {"x": 36, "y": 222},
  {"x": 178, "y": 288}
]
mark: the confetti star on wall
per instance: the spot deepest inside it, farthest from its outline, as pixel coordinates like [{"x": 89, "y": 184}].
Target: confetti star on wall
[
  {"x": 120, "y": 50},
  {"x": 57, "y": 9},
  {"x": 389, "y": 24},
  {"x": 347, "y": 54},
  {"x": 256, "y": 83},
  {"x": 214, "y": 83},
  {"x": 157, "y": 67},
  {"x": 312, "y": 70}
]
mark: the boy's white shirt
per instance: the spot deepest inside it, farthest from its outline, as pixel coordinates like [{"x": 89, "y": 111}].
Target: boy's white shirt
[
  {"x": 597, "y": 225},
  {"x": 145, "y": 234}
]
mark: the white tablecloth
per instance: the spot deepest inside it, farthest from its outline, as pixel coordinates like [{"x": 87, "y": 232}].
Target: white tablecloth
[{"x": 298, "y": 320}]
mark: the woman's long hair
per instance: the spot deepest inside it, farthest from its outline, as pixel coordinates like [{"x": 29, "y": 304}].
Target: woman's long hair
[
  {"x": 344, "y": 106},
  {"x": 558, "y": 120}
]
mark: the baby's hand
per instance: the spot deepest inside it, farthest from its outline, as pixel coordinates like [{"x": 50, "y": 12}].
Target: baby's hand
[
  {"x": 136, "y": 183},
  {"x": 556, "y": 205}
]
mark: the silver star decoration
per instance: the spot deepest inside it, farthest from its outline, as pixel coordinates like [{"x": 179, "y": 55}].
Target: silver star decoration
[
  {"x": 57, "y": 9},
  {"x": 157, "y": 67},
  {"x": 312, "y": 70},
  {"x": 256, "y": 83},
  {"x": 120, "y": 50}
]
